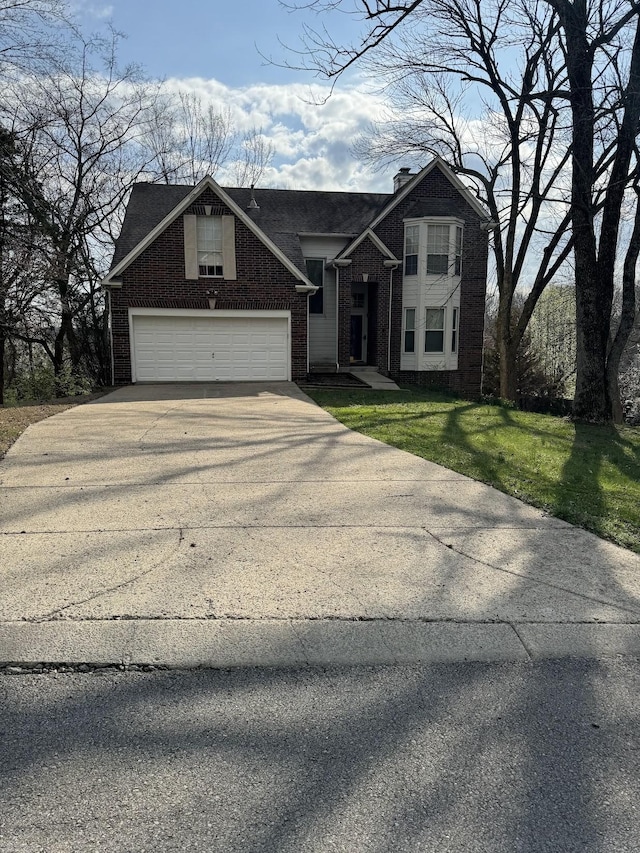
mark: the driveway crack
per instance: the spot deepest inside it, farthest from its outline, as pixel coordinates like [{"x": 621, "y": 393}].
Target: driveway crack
[
  {"x": 532, "y": 579},
  {"x": 47, "y": 617}
]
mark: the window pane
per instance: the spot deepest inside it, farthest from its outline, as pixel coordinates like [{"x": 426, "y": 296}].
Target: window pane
[
  {"x": 435, "y": 318},
  {"x": 434, "y": 342},
  {"x": 315, "y": 271},
  {"x": 411, "y": 235},
  {"x": 315, "y": 274},
  {"x": 410, "y": 318},
  {"x": 458, "y": 264},
  {"x": 434, "y": 334},
  {"x": 409, "y": 341},
  {"x": 316, "y": 302},
  {"x": 411, "y": 265},
  {"x": 411, "y": 240},
  {"x": 209, "y": 237},
  {"x": 454, "y": 331},
  {"x": 438, "y": 249},
  {"x": 409, "y": 325},
  {"x": 437, "y": 264},
  {"x": 438, "y": 239}
]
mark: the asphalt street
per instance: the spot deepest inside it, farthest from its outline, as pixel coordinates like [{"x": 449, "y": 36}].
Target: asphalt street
[{"x": 517, "y": 757}]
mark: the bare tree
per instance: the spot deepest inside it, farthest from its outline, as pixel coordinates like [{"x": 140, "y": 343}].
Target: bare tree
[
  {"x": 31, "y": 31},
  {"x": 515, "y": 154},
  {"x": 188, "y": 140},
  {"x": 601, "y": 45},
  {"x": 81, "y": 126},
  {"x": 255, "y": 156},
  {"x": 577, "y": 54}
]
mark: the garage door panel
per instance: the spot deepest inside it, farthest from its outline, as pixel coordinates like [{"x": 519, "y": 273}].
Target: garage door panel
[{"x": 183, "y": 348}]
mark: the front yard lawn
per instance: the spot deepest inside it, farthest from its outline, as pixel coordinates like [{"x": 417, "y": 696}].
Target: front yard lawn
[{"x": 587, "y": 475}]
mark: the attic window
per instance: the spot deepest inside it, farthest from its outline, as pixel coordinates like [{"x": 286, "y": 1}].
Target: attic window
[{"x": 209, "y": 236}]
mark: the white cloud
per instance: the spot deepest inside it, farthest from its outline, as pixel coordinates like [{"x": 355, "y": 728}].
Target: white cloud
[
  {"x": 92, "y": 9},
  {"x": 312, "y": 141}
]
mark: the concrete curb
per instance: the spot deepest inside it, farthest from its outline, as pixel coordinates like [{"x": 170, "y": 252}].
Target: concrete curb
[{"x": 219, "y": 644}]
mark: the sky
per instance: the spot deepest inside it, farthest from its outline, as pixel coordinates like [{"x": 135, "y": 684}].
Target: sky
[{"x": 217, "y": 48}]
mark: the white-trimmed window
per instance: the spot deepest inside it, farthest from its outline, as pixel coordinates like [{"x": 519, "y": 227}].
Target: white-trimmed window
[
  {"x": 438, "y": 243},
  {"x": 454, "y": 330},
  {"x": 315, "y": 274},
  {"x": 209, "y": 242},
  {"x": 457, "y": 267},
  {"x": 409, "y": 335},
  {"x": 434, "y": 330},
  {"x": 433, "y": 248},
  {"x": 411, "y": 241}
]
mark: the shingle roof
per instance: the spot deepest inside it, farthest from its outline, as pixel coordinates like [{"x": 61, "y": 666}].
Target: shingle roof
[{"x": 282, "y": 214}]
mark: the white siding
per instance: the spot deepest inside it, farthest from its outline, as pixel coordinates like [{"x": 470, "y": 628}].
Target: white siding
[
  {"x": 424, "y": 291},
  {"x": 323, "y": 327}
]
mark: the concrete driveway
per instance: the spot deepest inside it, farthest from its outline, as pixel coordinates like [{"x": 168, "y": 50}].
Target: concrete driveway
[{"x": 212, "y": 505}]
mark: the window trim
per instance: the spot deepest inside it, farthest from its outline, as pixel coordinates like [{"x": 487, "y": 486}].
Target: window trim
[
  {"x": 191, "y": 266},
  {"x": 412, "y": 329},
  {"x": 320, "y": 291},
  {"x": 454, "y": 260},
  {"x": 214, "y": 252},
  {"x": 416, "y": 254},
  {"x": 455, "y": 320}
]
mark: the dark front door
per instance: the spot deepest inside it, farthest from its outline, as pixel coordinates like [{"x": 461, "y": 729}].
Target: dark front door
[{"x": 356, "y": 337}]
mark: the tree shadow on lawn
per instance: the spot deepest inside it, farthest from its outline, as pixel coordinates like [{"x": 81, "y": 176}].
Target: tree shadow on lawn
[{"x": 581, "y": 495}]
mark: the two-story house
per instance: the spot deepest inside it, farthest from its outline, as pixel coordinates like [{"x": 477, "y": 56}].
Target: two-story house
[{"x": 234, "y": 284}]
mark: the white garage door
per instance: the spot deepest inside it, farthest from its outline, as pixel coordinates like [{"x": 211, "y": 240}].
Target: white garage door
[{"x": 178, "y": 348}]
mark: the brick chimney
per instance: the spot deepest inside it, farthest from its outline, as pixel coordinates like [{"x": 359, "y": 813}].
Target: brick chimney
[{"x": 403, "y": 177}]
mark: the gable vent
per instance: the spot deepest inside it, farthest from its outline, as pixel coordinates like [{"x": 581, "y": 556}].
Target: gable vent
[{"x": 207, "y": 210}]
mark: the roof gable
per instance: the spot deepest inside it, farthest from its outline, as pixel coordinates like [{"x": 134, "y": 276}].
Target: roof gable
[
  {"x": 189, "y": 196},
  {"x": 439, "y": 163},
  {"x": 377, "y": 242}
]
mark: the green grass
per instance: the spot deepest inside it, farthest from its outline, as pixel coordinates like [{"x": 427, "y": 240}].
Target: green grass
[{"x": 587, "y": 475}]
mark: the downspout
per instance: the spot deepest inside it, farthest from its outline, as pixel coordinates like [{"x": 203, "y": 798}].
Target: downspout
[
  {"x": 308, "y": 290},
  {"x": 338, "y": 265},
  {"x": 337, "y": 269},
  {"x": 308, "y": 330},
  {"x": 391, "y": 266},
  {"x": 113, "y": 364}
]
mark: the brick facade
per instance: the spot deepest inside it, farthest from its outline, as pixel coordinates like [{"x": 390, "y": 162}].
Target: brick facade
[
  {"x": 435, "y": 195},
  {"x": 156, "y": 279}
]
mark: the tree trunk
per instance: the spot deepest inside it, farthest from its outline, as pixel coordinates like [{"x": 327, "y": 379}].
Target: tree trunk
[
  {"x": 506, "y": 353},
  {"x": 591, "y": 401},
  {"x": 2, "y": 351},
  {"x": 627, "y": 316}
]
